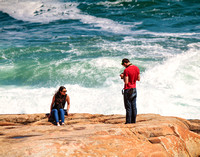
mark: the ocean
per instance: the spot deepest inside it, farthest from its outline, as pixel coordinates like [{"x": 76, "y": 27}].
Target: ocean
[{"x": 80, "y": 44}]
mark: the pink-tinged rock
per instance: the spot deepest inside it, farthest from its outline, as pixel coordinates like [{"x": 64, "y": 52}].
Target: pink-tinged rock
[{"x": 98, "y": 135}]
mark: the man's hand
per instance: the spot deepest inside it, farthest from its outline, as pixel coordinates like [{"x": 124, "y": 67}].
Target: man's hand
[{"x": 122, "y": 76}]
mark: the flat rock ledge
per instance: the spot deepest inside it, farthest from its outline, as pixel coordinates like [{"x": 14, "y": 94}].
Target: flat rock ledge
[{"x": 96, "y": 135}]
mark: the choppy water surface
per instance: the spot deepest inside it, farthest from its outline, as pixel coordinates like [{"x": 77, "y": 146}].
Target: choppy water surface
[{"x": 80, "y": 44}]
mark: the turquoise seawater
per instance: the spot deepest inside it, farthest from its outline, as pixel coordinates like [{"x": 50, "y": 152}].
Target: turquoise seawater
[{"x": 80, "y": 44}]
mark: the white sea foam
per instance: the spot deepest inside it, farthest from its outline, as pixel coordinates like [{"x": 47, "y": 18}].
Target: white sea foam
[
  {"x": 184, "y": 35},
  {"x": 106, "y": 62},
  {"x": 172, "y": 88},
  {"x": 116, "y": 3},
  {"x": 48, "y": 11},
  {"x": 6, "y": 67},
  {"x": 15, "y": 100},
  {"x": 144, "y": 48}
]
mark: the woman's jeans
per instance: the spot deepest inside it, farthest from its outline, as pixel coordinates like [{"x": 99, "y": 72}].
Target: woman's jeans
[
  {"x": 56, "y": 115},
  {"x": 130, "y": 96}
]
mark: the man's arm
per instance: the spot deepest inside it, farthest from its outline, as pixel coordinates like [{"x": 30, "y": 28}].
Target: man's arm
[
  {"x": 126, "y": 79},
  {"x": 138, "y": 77}
]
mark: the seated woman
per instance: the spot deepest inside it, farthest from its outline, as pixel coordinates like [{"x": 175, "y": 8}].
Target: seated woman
[{"x": 58, "y": 104}]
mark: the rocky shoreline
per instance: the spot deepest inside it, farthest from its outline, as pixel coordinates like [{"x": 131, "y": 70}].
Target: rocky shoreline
[{"x": 99, "y": 135}]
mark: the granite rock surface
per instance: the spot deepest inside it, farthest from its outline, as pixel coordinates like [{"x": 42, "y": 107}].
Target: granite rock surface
[{"x": 97, "y": 135}]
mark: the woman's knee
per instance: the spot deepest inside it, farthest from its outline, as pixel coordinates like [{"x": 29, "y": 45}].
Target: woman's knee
[
  {"x": 62, "y": 111},
  {"x": 54, "y": 111}
]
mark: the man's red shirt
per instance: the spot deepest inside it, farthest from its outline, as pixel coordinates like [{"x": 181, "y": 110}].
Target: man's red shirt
[{"x": 132, "y": 72}]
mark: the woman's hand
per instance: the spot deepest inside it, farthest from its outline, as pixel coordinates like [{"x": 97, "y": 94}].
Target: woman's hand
[
  {"x": 68, "y": 112},
  {"x": 49, "y": 115}
]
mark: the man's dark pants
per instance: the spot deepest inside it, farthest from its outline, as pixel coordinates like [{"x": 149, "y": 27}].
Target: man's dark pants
[{"x": 130, "y": 96}]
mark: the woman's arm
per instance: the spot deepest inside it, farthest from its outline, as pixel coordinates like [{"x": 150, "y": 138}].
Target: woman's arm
[
  {"x": 68, "y": 103},
  {"x": 53, "y": 100}
]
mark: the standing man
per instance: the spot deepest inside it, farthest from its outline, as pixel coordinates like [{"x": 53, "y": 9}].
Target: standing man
[{"x": 130, "y": 76}]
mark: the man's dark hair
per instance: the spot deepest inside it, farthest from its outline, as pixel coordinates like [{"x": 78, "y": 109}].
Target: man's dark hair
[{"x": 125, "y": 60}]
